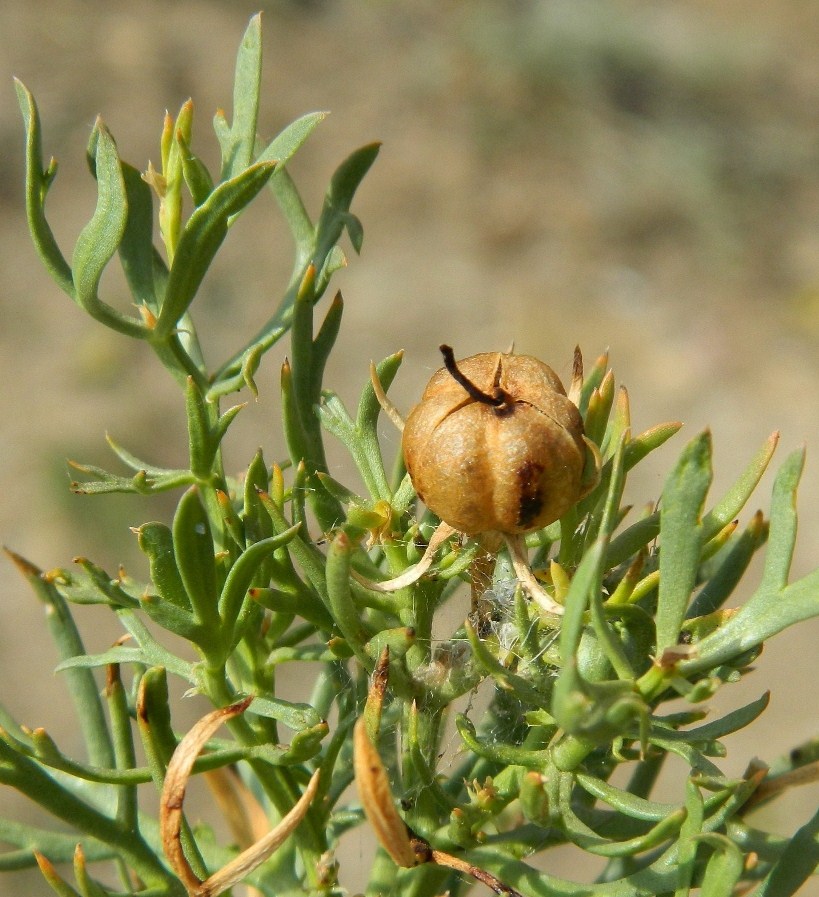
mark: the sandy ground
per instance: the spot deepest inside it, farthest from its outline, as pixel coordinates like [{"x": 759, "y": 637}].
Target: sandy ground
[{"x": 635, "y": 175}]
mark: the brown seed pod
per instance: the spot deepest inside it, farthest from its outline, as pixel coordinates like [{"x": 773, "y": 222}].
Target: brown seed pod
[{"x": 495, "y": 444}]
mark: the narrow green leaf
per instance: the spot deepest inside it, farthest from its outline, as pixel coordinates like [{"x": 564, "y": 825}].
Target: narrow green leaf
[
  {"x": 343, "y": 185},
  {"x": 322, "y": 253},
  {"x": 81, "y": 683},
  {"x": 124, "y": 753},
  {"x": 194, "y": 553},
  {"x": 796, "y": 865},
  {"x": 101, "y": 237},
  {"x": 202, "y": 447},
  {"x": 339, "y": 593},
  {"x": 224, "y": 421},
  {"x": 687, "y": 845},
  {"x": 54, "y": 880},
  {"x": 592, "y": 381},
  {"x": 29, "y": 778},
  {"x": 725, "y": 579},
  {"x": 599, "y": 408},
  {"x": 203, "y": 235},
  {"x": 237, "y": 150},
  {"x": 136, "y": 250},
  {"x": 646, "y": 442},
  {"x": 298, "y": 440},
  {"x": 629, "y": 804},
  {"x": 731, "y": 722},
  {"x": 583, "y": 836},
  {"x": 284, "y": 145},
  {"x": 631, "y": 540},
  {"x": 585, "y": 579},
  {"x": 88, "y": 886},
  {"x": 195, "y": 172},
  {"x": 681, "y": 536},
  {"x": 367, "y": 450},
  {"x": 172, "y": 618},
  {"x": 735, "y": 498},
  {"x": 117, "y": 654},
  {"x": 141, "y": 482},
  {"x": 38, "y": 182},
  {"x": 155, "y": 653},
  {"x": 238, "y": 581},
  {"x": 305, "y": 554},
  {"x": 782, "y": 530},
  {"x": 297, "y": 717},
  {"x": 156, "y": 541},
  {"x": 725, "y": 866},
  {"x": 324, "y": 341},
  {"x": 137, "y": 464},
  {"x": 774, "y": 606}
]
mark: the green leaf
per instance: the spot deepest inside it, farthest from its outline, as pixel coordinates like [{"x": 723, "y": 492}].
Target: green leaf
[
  {"x": 194, "y": 553},
  {"x": 727, "y": 576},
  {"x": 301, "y": 227},
  {"x": 137, "y": 254},
  {"x": 632, "y": 540},
  {"x": 137, "y": 464},
  {"x": 239, "y": 142},
  {"x": 731, "y": 722},
  {"x": 95, "y": 579},
  {"x": 81, "y": 683},
  {"x": 774, "y": 606},
  {"x": 343, "y": 185},
  {"x": 782, "y": 531},
  {"x": 117, "y": 654},
  {"x": 284, "y": 146},
  {"x": 202, "y": 447},
  {"x": 156, "y": 541},
  {"x": 297, "y": 717},
  {"x": 367, "y": 452},
  {"x": 725, "y": 866},
  {"x": 734, "y": 500},
  {"x": 172, "y": 618},
  {"x": 38, "y": 182},
  {"x": 343, "y": 608},
  {"x": 101, "y": 237},
  {"x": 239, "y": 580},
  {"x": 203, "y": 235},
  {"x": 582, "y": 835},
  {"x": 687, "y": 845},
  {"x": 681, "y": 536},
  {"x": 155, "y": 654},
  {"x": 124, "y": 753},
  {"x": 57, "y": 884},
  {"x": 647, "y": 442},
  {"x": 141, "y": 482},
  {"x": 796, "y": 865},
  {"x": 322, "y": 255},
  {"x": 196, "y": 174},
  {"x": 585, "y": 579},
  {"x": 629, "y": 804}
]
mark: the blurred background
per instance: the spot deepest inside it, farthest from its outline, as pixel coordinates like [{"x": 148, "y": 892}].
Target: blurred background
[{"x": 634, "y": 174}]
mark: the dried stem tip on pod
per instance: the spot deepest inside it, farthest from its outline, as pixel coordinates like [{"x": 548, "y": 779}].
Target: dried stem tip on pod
[{"x": 495, "y": 444}]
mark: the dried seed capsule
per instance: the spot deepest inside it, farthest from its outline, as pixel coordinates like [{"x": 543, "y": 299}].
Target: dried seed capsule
[{"x": 495, "y": 444}]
